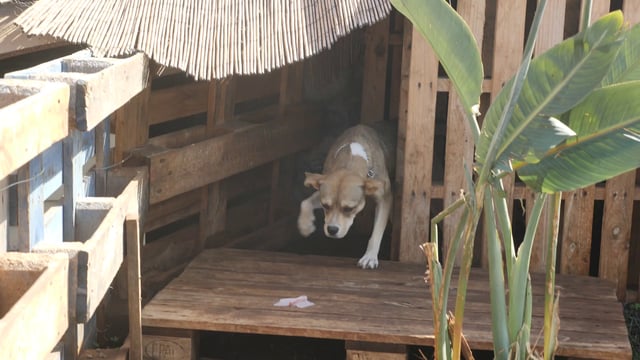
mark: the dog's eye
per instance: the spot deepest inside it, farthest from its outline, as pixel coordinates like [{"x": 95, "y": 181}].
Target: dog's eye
[
  {"x": 347, "y": 209},
  {"x": 326, "y": 206}
]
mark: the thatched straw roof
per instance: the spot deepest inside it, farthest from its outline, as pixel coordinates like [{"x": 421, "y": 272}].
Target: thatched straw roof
[{"x": 206, "y": 38}]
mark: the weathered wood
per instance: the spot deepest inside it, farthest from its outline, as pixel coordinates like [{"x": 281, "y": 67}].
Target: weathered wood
[
  {"x": 99, "y": 86},
  {"x": 459, "y": 147},
  {"x": 254, "y": 87},
  {"x": 132, "y": 232},
  {"x": 34, "y": 290},
  {"x": 31, "y": 198},
  {"x": 375, "y": 66},
  {"x": 576, "y": 232},
  {"x": 395, "y": 57},
  {"x": 170, "y": 344},
  {"x": 551, "y": 33},
  {"x": 178, "y": 101},
  {"x": 77, "y": 149},
  {"x": 173, "y": 209},
  {"x": 416, "y": 128},
  {"x": 23, "y": 106},
  {"x": 4, "y": 214},
  {"x": 175, "y": 171},
  {"x": 132, "y": 125},
  {"x": 357, "y": 350},
  {"x": 234, "y": 290},
  {"x": 508, "y": 46},
  {"x": 616, "y": 230}
]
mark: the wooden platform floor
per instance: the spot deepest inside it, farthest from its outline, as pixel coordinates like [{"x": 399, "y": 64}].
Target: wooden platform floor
[{"x": 234, "y": 291}]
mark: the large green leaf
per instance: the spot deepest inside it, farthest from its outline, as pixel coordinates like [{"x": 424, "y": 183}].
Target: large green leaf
[
  {"x": 607, "y": 143},
  {"x": 454, "y": 44},
  {"x": 626, "y": 66},
  {"x": 557, "y": 80}
]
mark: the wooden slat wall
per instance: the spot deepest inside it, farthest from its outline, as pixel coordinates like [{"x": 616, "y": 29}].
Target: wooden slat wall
[{"x": 579, "y": 245}]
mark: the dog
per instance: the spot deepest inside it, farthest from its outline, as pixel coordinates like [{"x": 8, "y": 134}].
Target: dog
[{"x": 355, "y": 167}]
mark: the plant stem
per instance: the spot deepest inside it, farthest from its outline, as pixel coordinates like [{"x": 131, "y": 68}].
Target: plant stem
[
  {"x": 496, "y": 283},
  {"x": 585, "y": 16},
  {"x": 549, "y": 294}
]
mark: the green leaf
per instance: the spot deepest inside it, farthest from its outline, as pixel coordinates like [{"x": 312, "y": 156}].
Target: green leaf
[
  {"x": 607, "y": 124},
  {"x": 454, "y": 44},
  {"x": 626, "y": 66},
  {"x": 557, "y": 80}
]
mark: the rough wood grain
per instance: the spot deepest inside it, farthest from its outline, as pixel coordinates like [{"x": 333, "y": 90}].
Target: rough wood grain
[
  {"x": 459, "y": 148},
  {"x": 178, "y": 101},
  {"x": 33, "y": 304},
  {"x": 576, "y": 233},
  {"x": 132, "y": 233},
  {"x": 99, "y": 86},
  {"x": 616, "y": 230},
  {"x": 175, "y": 171},
  {"x": 415, "y": 134},
  {"x": 375, "y": 67},
  {"x": 234, "y": 291},
  {"x": 23, "y": 133}
]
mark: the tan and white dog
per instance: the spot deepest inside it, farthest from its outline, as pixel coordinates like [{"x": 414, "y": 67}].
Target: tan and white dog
[{"x": 355, "y": 167}]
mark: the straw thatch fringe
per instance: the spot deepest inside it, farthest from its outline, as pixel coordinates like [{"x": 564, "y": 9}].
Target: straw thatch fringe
[{"x": 206, "y": 38}]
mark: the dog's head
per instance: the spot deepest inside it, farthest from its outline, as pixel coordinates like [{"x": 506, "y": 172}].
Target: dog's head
[{"x": 342, "y": 195}]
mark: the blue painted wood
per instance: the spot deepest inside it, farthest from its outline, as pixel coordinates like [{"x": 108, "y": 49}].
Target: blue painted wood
[
  {"x": 78, "y": 148},
  {"x": 52, "y": 162},
  {"x": 30, "y": 205}
]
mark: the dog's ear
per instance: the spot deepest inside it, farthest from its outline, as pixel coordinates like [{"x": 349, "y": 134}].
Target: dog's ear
[
  {"x": 313, "y": 180},
  {"x": 373, "y": 187}
]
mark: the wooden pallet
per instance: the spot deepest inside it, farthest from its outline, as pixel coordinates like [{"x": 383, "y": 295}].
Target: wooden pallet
[{"x": 234, "y": 291}]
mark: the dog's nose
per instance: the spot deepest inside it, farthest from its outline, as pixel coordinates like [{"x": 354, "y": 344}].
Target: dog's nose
[{"x": 332, "y": 230}]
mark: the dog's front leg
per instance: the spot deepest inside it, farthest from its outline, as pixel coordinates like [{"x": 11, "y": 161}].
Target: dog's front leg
[
  {"x": 383, "y": 207},
  {"x": 306, "y": 218}
]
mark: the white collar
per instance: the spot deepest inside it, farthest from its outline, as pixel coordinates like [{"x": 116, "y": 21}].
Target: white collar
[{"x": 358, "y": 150}]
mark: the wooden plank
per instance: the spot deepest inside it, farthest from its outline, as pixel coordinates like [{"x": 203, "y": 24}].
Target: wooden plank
[
  {"x": 30, "y": 205},
  {"x": 616, "y": 230},
  {"x": 508, "y": 46},
  {"x": 132, "y": 232},
  {"x": 234, "y": 290},
  {"x": 4, "y": 214},
  {"x": 551, "y": 33},
  {"x": 23, "y": 104},
  {"x": 176, "y": 171},
  {"x": 99, "y": 86},
  {"x": 459, "y": 148},
  {"x": 416, "y": 128},
  {"x": 132, "y": 125},
  {"x": 77, "y": 149},
  {"x": 376, "y": 38},
  {"x": 170, "y": 345},
  {"x": 291, "y": 85},
  {"x": 34, "y": 290},
  {"x": 178, "y": 101},
  {"x": 213, "y": 205},
  {"x": 631, "y": 11},
  {"x": 173, "y": 209},
  {"x": 576, "y": 232}
]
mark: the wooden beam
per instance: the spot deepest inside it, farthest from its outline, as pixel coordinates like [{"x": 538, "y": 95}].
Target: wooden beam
[
  {"x": 34, "y": 302},
  {"x": 132, "y": 125},
  {"x": 178, "y": 101},
  {"x": 375, "y": 69},
  {"x": 99, "y": 86},
  {"x": 416, "y": 127},
  {"x": 132, "y": 232},
  {"x": 459, "y": 147},
  {"x": 616, "y": 230},
  {"x": 176, "y": 171},
  {"x": 23, "y": 106}
]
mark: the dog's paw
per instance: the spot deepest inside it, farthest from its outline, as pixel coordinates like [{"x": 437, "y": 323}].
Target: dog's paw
[
  {"x": 368, "y": 261},
  {"x": 306, "y": 226}
]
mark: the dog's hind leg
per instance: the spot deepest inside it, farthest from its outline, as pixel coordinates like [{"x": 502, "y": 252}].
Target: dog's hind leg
[
  {"x": 383, "y": 207},
  {"x": 306, "y": 218}
]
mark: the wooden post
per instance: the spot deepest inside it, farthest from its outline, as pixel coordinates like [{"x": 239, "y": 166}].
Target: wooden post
[
  {"x": 508, "y": 46},
  {"x": 132, "y": 124},
  {"x": 4, "y": 214},
  {"x": 416, "y": 127},
  {"x": 551, "y": 33},
  {"x": 375, "y": 69},
  {"x": 213, "y": 210},
  {"x": 132, "y": 234},
  {"x": 459, "y": 143},
  {"x": 77, "y": 149},
  {"x": 30, "y": 205}
]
